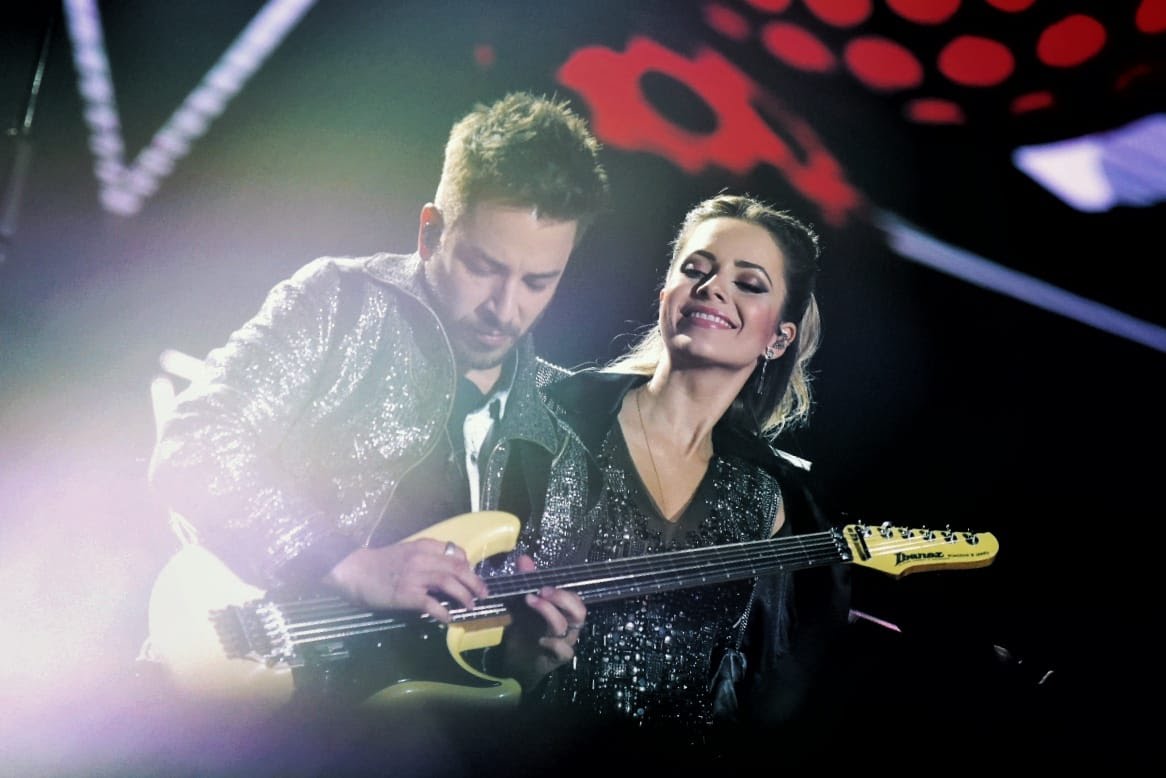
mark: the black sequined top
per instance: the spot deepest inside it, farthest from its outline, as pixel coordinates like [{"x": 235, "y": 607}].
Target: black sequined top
[{"x": 650, "y": 659}]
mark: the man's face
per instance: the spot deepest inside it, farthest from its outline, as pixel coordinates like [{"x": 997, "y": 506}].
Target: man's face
[{"x": 492, "y": 277}]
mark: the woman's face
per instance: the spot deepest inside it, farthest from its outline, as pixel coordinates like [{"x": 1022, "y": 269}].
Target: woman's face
[{"x": 722, "y": 302}]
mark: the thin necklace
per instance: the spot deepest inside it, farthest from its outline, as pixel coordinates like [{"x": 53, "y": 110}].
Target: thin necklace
[{"x": 648, "y": 444}]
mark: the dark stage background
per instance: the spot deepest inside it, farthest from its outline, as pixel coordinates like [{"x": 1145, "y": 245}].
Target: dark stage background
[{"x": 939, "y": 401}]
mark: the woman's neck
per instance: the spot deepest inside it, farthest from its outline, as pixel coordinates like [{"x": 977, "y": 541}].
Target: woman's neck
[{"x": 682, "y": 406}]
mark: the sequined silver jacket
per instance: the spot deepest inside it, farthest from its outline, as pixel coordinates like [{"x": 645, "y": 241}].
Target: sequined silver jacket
[{"x": 284, "y": 456}]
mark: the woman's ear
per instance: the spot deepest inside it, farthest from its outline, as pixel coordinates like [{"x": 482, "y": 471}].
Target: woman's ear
[{"x": 786, "y": 332}]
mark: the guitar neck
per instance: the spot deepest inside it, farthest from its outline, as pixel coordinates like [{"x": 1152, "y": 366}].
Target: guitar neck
[
  {"x": 894, "y": 551},
  {"x": 616, "y": 579}
]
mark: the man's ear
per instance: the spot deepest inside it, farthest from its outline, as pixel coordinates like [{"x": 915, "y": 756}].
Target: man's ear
[{"x": 429, "y": 230}]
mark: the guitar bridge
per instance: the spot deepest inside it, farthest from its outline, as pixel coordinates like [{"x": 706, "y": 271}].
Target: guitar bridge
[{"x": 243, "y": 634}]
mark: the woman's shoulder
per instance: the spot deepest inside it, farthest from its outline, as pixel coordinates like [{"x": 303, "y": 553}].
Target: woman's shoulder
[
  {"x": 590, "y": 390},
  {"x": 588, "y": 401},
  {"x": 730, "y": 440}
]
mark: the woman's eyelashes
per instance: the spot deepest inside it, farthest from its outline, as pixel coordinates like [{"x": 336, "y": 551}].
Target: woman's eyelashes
[
  {"x": 701, "y": 274},
  {"x": 752, "y": 287}
]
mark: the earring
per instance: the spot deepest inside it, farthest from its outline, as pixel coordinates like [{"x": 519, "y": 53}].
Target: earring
[{"x": 770, "y": 355}]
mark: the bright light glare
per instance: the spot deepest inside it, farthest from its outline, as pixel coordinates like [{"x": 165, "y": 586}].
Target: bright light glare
[{"x": 1098, "y": 172}]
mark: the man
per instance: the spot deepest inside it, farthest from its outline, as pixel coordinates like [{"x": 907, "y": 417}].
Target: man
[{"x": 370, "y": 398}]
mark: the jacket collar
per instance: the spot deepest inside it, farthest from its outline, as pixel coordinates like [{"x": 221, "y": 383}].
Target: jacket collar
[
  {"x": 400, "y": 270},
  {"x": 526, "y": 417},
  {"x": 591, "y": 400}
]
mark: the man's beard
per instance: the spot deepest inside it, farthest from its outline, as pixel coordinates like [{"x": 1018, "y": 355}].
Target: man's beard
[
  {"x": 476, "y": 358},
  {"x": 467, "y": 356}
]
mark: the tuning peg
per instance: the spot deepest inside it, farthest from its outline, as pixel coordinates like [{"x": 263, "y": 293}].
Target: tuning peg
[{"x": 885, "y": 529}]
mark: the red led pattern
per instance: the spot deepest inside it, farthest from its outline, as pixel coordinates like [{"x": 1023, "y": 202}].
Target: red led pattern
[
  {"x": 814, "y": 36},
  {"x": 610, "y": 83}
]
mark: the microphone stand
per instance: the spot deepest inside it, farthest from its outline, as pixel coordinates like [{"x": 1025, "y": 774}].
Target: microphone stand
[{"x": 13, "y": 190}]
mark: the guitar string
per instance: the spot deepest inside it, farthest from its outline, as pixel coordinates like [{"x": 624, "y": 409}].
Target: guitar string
[
  {"x": 738, "y": 560},
  {"x": 699, "y": 557},
  {"x": 318, "y": 629},
  {"x": 779, "y": 549},
  {"x": 621, "y": 570}
]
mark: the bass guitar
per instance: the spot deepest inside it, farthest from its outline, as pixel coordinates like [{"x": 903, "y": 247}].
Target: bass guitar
[{"x": 220, "y": 638}]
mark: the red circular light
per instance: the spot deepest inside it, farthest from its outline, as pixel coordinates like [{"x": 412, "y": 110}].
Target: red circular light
[
  {"x": 1151, "y": 16},
  {"x": 932, "y": 110},
  {"x": 769, "y": 6},
  {"x": 484, "y": 55},
  {"x": 1071, "y": 41},
  {"x": 796, "y": 47},
  {"x": 1011, "y": 6},
  {"x": 1033, "y": 101},
  {"x": 726, "y": 21},
  {"x": 924, "y": 11},
  {"x": 974, "y": 61},
  {"x": 840, "y": 13},
  {"x": 1130, "y": 75},
  {"x": 882, "y": 64}
]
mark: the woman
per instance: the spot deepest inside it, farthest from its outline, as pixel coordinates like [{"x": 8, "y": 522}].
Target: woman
[{"x": 681, "y": 428}]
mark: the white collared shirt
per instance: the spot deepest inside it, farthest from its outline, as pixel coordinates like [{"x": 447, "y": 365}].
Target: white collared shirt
[{"x": 476, "y": 430}]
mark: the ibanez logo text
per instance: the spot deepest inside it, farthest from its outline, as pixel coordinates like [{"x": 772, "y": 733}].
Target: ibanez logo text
[{"x": 900, "y": 557}]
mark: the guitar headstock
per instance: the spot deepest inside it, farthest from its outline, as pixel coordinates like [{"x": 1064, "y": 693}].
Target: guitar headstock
[{"x": 898, "y": 551}]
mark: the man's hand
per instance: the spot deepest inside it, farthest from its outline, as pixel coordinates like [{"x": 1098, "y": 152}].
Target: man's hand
[
  {"x": 413, "y": 575},
  {"x": 535, "y": 646}
]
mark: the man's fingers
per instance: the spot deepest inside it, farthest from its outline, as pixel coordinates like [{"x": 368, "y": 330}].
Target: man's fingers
[
  {"x": 458, "y": 588},
  {"x": 566, "y": 604},
  {"x": 451, "y": 559},
  {"x": 562, "y": 611},
  {"x": 440, "y": 547}
]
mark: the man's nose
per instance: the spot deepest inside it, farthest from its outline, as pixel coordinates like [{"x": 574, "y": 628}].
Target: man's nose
[{"x": 504, "y": 302}]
